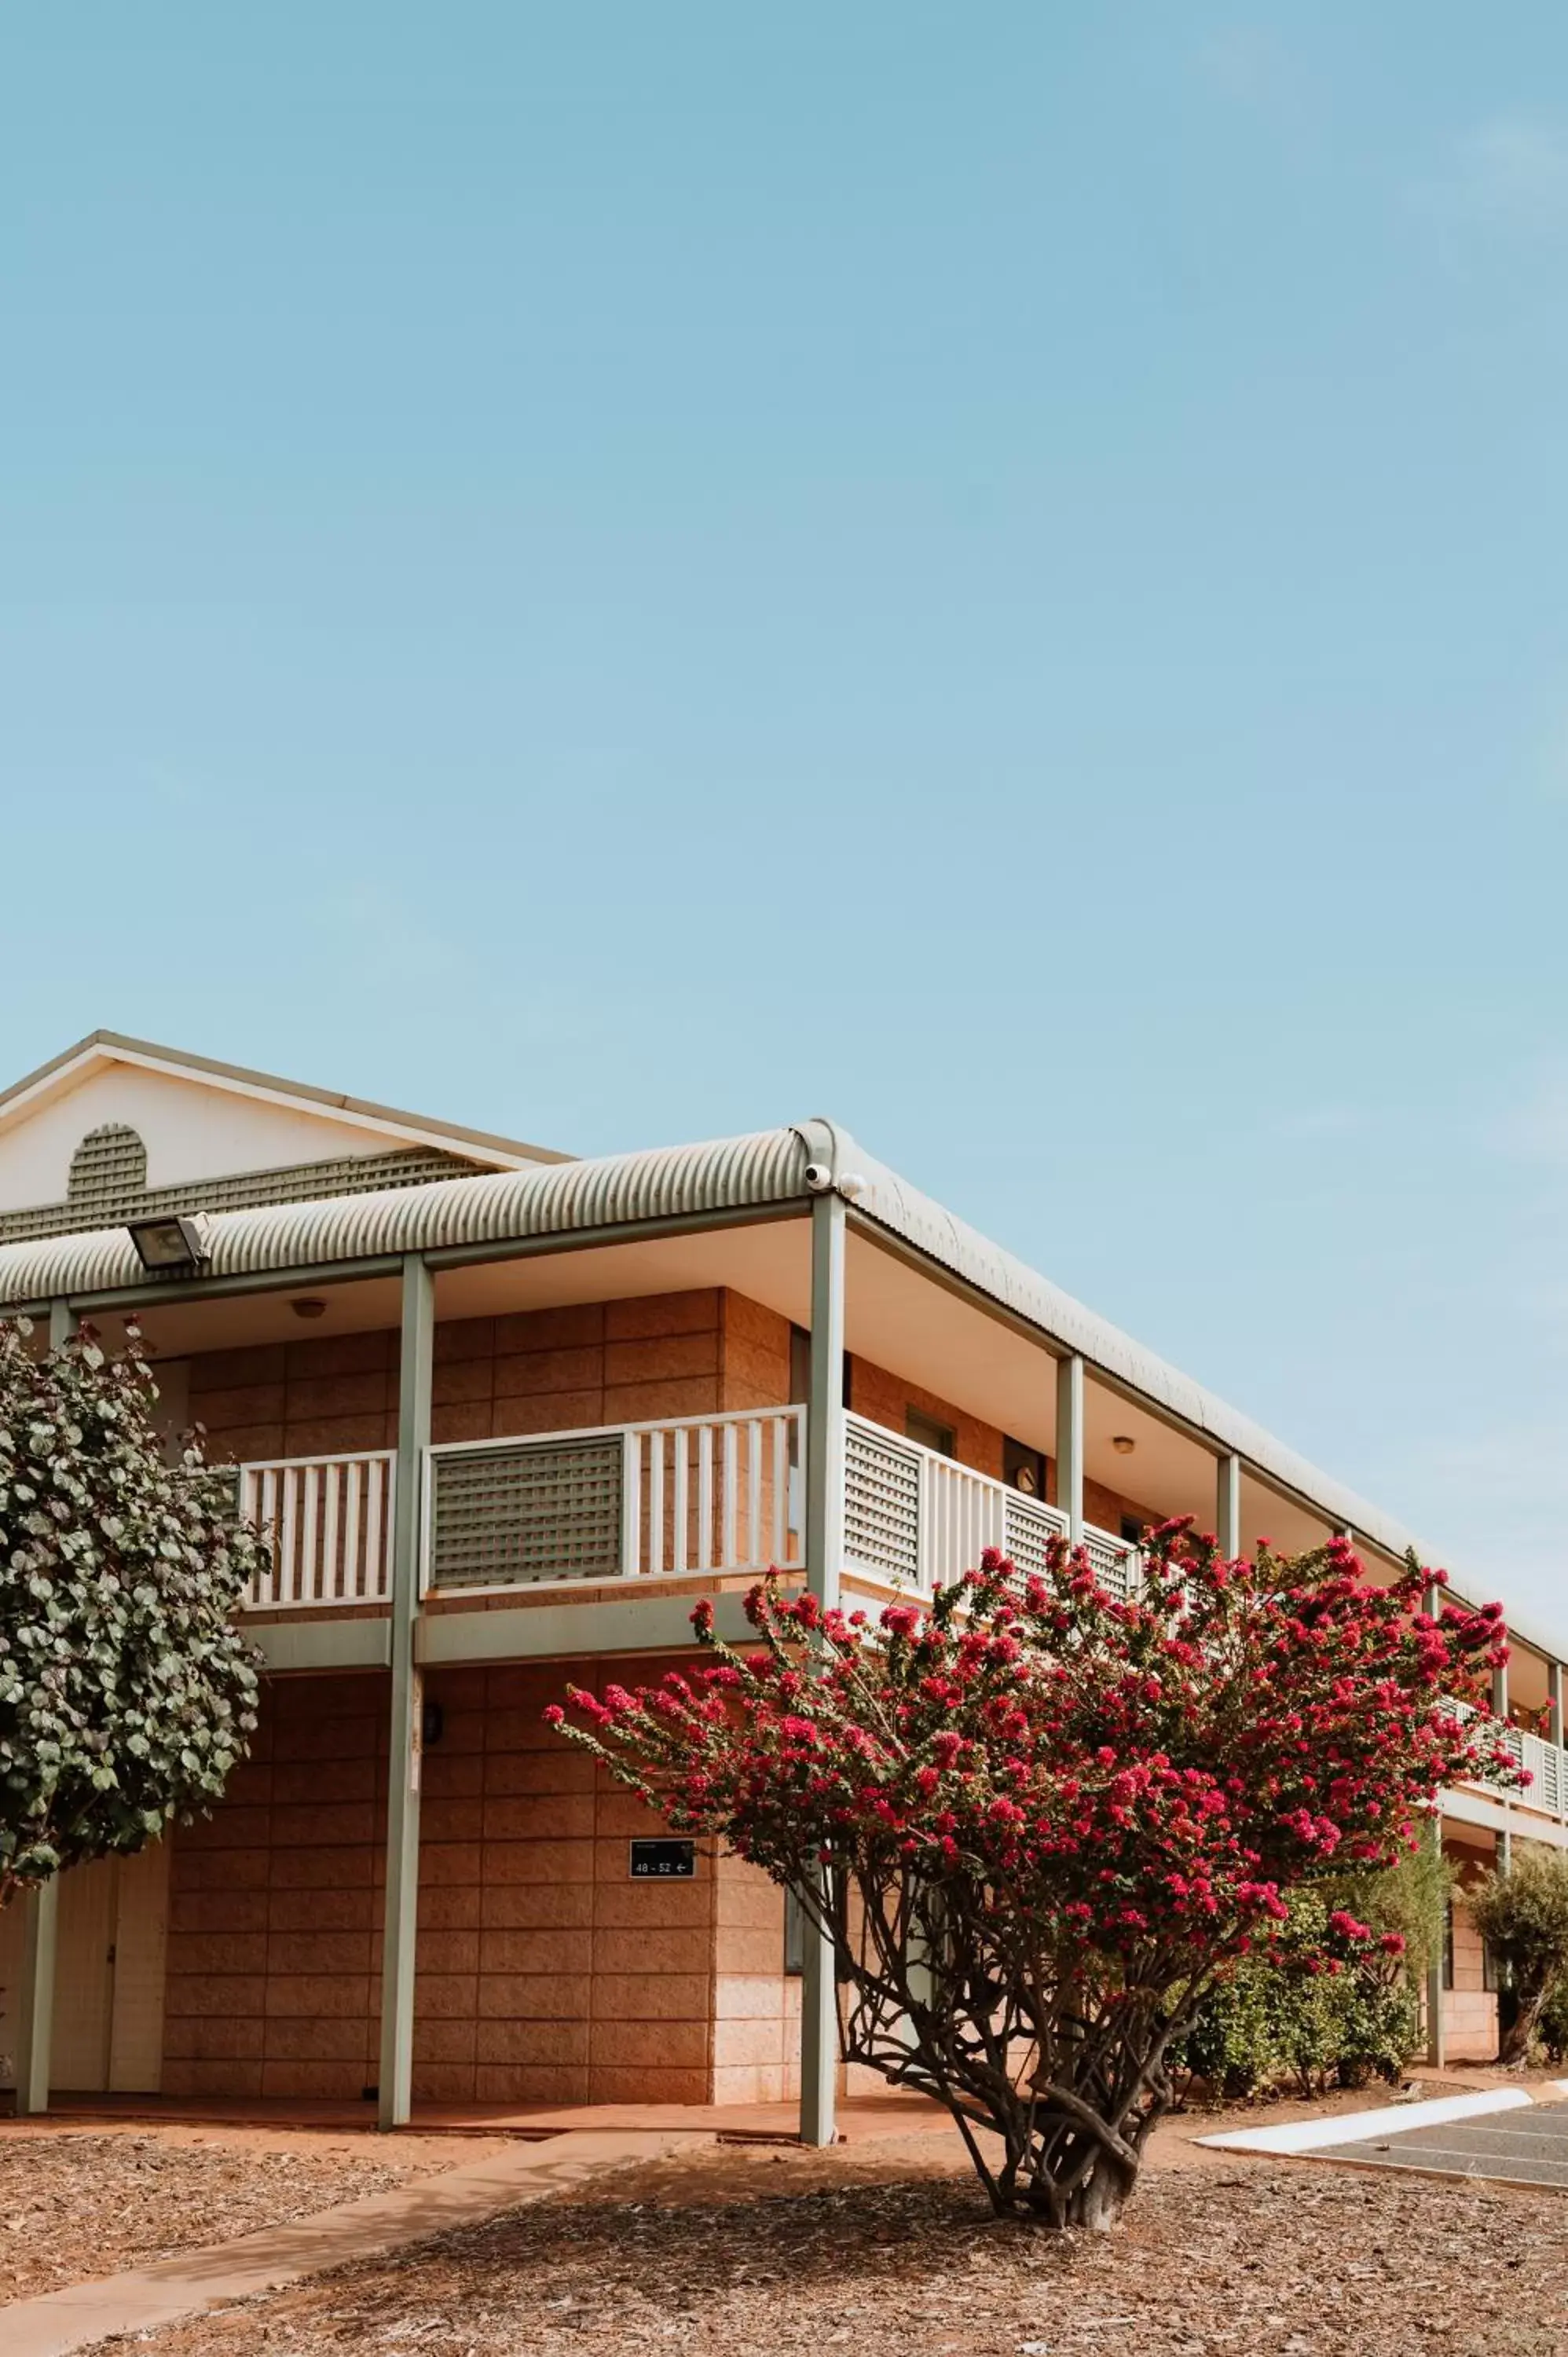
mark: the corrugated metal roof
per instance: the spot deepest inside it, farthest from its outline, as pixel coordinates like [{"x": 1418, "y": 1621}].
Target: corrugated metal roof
[
  {"x": 724, "y": 1175},
  {"x": 618, "y": 1189}
]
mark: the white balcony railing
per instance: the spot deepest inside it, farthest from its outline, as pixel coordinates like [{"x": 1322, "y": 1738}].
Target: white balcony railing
[
  {"x": 715, "y": 1494},
  {"x": 919, "y": 1519},
  {"x": 328, "y": 1520}
]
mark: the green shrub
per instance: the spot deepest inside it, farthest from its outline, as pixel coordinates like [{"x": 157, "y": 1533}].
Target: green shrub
[{"x": 1335, "y": 2003}]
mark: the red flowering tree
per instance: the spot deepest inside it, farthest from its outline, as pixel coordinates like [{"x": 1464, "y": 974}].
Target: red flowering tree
[{"x": 1039, "y": 1823}]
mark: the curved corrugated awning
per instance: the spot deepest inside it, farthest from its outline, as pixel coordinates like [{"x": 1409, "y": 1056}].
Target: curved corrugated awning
[{"x": 629, "y": 1191}]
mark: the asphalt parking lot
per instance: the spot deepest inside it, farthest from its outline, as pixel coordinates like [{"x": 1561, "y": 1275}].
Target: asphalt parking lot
[{"x": 1520, "y": 2147}]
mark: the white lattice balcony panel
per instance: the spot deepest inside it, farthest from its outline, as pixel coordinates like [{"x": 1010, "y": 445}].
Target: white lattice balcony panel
[{"x": 919, "y": 1520}]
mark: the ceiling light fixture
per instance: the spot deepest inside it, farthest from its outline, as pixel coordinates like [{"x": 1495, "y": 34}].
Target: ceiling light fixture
[
  {"x": 1123, "y": 1443},
  {"x": 309, "y": 1305}
]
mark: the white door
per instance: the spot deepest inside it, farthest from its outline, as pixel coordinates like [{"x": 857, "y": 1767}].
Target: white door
[
  {"x": 84, "y": 1978},
  {"x": 108, "y": 1975}
]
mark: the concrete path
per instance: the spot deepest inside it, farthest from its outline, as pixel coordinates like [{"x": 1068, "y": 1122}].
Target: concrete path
[{"x": 196, "y": 2280}]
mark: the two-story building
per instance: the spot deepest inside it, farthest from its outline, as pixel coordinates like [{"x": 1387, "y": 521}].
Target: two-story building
[{"x": 505, "y": 1414}]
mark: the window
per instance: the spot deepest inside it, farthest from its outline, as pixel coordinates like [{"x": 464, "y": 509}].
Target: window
[
  {"x": 1490, "y": 1981},
  {"x": 1023, "y": 1468},
  {"x": 800, "y": 1367},
  {"x": 796, "y": 1924},
  {"x": 1133, "y": 1528},
  {"x": 795, "y": 1933},
  {"x": 925, "y": 1428},
  {"x": 1448, "y": 1945}
]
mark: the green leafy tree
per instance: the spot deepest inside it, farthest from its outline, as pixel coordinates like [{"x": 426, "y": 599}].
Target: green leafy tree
[
  {"x": 1524, "y": 1914},
  {"x": 127, "y": 1692}
]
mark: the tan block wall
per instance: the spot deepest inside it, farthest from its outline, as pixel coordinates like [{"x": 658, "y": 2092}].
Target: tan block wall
[
  {"x": 756, "y": 2004},
  {"x": 884, "y": 1397},
  {"x": 541, "y": 1371},
  {"x": 1469, "y": 2007},
  {"x": 545, "y": 1975},
  {"x": 755, "y": 1354},
  {"x": 336, "y": 1392},
  {"x": 1105, "y": 1507},
  {"x": 275, "y": 1906}
]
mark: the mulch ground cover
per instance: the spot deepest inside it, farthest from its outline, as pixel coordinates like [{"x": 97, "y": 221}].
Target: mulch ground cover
[
  {"x": 77, "y": 2206},
  {"x": 886, "y": 2251}
]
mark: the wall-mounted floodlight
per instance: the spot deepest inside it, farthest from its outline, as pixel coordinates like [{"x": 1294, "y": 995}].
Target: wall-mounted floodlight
[{"x": 176, "y": 1248}]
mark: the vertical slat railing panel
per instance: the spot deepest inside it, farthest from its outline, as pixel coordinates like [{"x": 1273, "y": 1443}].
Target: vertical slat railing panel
[
  {"x": 704, "y": 1497},
  {"x": 681, "y": 1438},
  {"x": 378, "y": 1527},
  {"x": 336, "y": 1580},
  {"x": 729, "y": 1501},
  {"x": 324, "y": 1520},
  {"x": 355, "y": 1583},
  {"x": 655, "y": 1560},
  {"x": 308, "y": 1588},
  {"x": 288, "y": 1527},
  {"x": 632, "y": 1505},
  {"x": 783, "y": 1480}
]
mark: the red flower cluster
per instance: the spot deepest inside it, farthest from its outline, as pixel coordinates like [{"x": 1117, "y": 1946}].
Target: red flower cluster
[{"x": 1154, "y": 1773}]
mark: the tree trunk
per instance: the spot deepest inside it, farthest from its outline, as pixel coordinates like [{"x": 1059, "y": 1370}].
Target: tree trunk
[
  {"x": 1098, "y": 2203},
  {"x": 1094, "y": 2204},
  {"x": 1513, "y": 2045}
]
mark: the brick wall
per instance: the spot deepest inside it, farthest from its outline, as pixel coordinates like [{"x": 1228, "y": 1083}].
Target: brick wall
[
  {"x": 545, "y": 1974},
  {"x": 553, "y": 1370},
  {"x": 885, "y": 1398},
  {"x": 275, "y": 1905},
  {"x": 540, "y": 1370},
  {"x": 1469, "y": 2007},
  {"x": 1105, "y": 1507}
]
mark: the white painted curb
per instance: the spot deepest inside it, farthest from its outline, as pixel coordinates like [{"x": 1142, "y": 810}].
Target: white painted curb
[{"x": 1389, "y": 2119}]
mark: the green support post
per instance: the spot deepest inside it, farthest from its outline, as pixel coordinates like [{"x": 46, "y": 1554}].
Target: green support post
[
  {"x": 1070, "y": 1446},
  {"x": 1436, "y": 2044},
  {"x": 36, "y": 1999},
  {"x": 40, "y": 1915},
  {"x": 396, "y": 2085},
  {"x": 1500, "y": 1710},
  {"x": 1228, "y": 1505},
  {"x": 824, "y": 1563}
]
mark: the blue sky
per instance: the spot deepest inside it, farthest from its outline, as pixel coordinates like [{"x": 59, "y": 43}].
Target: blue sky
[{"x": 625, "y": 574}]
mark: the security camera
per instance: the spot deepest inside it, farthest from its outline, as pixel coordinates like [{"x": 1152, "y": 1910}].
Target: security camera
[{"x": 819, "y": 1178}]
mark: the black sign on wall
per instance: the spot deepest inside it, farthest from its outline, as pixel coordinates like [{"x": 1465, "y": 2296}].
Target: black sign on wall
[{"x": 663, "y": 1861}]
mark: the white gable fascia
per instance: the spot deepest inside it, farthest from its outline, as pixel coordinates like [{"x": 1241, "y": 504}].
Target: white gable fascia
[{"x": 197, "y": 1123}]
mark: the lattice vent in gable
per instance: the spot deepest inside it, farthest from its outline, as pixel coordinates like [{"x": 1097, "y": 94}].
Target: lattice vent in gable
[{"x": 108, "y": 1174}]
